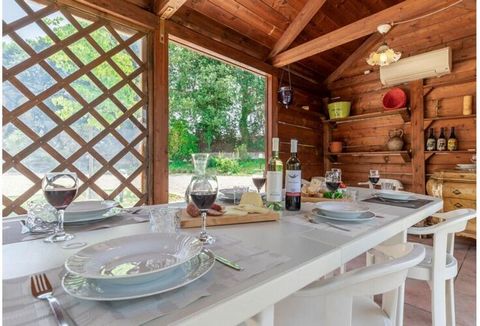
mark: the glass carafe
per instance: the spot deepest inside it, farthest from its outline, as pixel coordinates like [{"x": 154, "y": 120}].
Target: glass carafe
[{"x": 199, "y": 168}]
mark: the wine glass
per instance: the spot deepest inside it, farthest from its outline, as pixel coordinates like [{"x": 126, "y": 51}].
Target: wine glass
[
  {"x": 259, "y": 178},
  {"x": 203, "y": 192},
  {"x": 332, "y": 180},
  {"x": 374, "y": 177},
  {"x": 338, "y": 172},
  {"x": 60, "y": 189}
]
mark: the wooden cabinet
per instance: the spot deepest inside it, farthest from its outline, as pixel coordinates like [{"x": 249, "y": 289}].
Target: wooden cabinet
[{"x": 458, "y": 190}]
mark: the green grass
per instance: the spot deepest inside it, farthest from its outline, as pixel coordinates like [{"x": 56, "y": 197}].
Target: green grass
[{"x": 246, "y": 167}]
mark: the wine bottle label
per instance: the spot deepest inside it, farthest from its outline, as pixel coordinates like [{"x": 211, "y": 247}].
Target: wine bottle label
[
  {"x": 274, "y": 186},
  {"x": 431, "y": 144},
  {"x": 441, "y": 144},
  {"x": 293, "y": 183},
  {"x": 452, "y": 144}
]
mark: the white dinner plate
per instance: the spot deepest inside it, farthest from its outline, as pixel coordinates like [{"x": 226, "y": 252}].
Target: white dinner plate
[
  {"x": 368, "y": 216},
  {"x": 91, "y": 210},
  {"x": 395, "y": 195},
  {"x": 466, "y": 166},
  {"x": 135, "y": 258},
  {"x": 341, "y": 209},
  {"x": 229, "y": 193},
  {"x": 102, "y": 290}
]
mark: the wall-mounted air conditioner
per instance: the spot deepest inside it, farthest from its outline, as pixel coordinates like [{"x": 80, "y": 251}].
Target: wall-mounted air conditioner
[{"x": 431, "y": 64}]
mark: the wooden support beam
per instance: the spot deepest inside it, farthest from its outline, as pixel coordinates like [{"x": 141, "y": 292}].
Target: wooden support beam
[
  {"x": 166, "y": 8},
  {"x": 118, "y": 10},
  {"x": 219, "y": 50},
  {"x": 363, "y": 27},
  {"x": 418, "y": 146},
  {"x": 360, "y": 52},
  {"x": 296, "y": 26},
  {"x": 159, "y": 121}
]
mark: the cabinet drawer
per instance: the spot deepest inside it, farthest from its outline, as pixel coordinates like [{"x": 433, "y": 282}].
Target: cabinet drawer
[
  {"x": 450, "y": 204},
  {"x": 459, "y": 190}
]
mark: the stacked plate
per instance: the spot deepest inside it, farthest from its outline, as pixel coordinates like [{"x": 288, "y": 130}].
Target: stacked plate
[
  {"x": 467, "y": 167},
  {"x": 343, "y": 211},
  {"x": 395, "y": 195},
  {"x": 136, "y": 266},
  {"x": 231, "y": 194},
  {"x": 88, "y": 211}
]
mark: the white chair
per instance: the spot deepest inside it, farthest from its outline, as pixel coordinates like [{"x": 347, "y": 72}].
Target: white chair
[
  {"x": 397, "y": 185},
  {"x": 439, "y": 268},
  {"x": 343, "y": 300}
]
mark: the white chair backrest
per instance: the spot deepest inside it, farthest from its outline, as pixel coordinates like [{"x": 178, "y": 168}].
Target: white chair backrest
[
  {"x": 338, "y": 292},
  {"x": 359, "y": 281}
]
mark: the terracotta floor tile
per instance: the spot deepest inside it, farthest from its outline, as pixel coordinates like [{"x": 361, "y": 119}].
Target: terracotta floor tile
[
  {"x": 414, "y": 316},
  {"x": 417, "y": 293}
]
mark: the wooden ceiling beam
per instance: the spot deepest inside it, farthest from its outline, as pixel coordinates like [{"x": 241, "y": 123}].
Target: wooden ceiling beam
[
  {"x": 296, "y": 26},
  {"x": 166, "y": 8},
  {"x": 118, "y": 10},
  {"x": 363, "y": 27},
  {"x": 354, "y": 57}
]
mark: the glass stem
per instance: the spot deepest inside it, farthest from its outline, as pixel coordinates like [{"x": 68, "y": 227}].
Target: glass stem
[
  {"x": 59, "y": 230},
  {"x": 204, "y": 223}
]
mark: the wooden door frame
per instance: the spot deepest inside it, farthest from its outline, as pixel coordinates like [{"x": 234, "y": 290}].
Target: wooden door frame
[{"x": 159, "y": 110}]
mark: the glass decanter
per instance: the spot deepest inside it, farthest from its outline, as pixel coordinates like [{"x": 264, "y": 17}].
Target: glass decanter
[{"x": 199, "y": 168}]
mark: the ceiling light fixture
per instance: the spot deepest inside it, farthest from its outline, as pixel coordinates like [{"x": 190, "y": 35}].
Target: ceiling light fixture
[{"x": 384, "y": 55}]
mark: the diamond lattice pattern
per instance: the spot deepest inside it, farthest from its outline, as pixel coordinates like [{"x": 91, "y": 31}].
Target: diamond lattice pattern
[{"x": 72, "y": 101}]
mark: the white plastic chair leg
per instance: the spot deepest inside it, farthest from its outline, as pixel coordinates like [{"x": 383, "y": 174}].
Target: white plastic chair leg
[
  {"x": 450, "y": 302},
  {"x": 438, "y": 303},
  {"x": 264, "y": 318}
]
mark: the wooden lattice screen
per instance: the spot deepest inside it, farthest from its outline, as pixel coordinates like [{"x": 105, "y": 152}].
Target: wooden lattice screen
[{"x": 74, "y": 98}]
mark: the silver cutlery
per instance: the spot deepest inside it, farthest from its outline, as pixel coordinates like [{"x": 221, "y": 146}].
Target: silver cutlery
[
  {"x": 42, "y": 289},
  {"x": 228, "y": 263},
  {"x": 312, "y": 220}
]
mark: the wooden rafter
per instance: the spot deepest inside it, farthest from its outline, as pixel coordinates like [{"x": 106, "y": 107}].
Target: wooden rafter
[
  {"x": 296, "y": 26},
  {"x": 356, "y": 55},
  {"x": 358, "y": 29},
  {"x": 166, "y": 8}
]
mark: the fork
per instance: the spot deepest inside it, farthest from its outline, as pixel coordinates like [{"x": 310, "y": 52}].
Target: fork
[{"x": 42, "y": 289}]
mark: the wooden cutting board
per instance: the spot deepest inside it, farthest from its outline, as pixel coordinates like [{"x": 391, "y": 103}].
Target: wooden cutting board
[{"x": 186, "y": 221}]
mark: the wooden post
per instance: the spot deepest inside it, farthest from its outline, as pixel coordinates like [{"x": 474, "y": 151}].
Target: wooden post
[
  {"x": 327, "y": 136},
  {"x": 159, "y": 121},
  {"x": 272, "y": 112},
  {"x": 418, "y": 136}
]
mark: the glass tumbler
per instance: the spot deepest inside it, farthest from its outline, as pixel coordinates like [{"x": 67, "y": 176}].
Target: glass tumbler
[{"x": 164, "y": 220}]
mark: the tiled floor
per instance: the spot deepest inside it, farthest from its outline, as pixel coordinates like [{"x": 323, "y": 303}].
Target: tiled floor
[{"x": 417, "y": 293}]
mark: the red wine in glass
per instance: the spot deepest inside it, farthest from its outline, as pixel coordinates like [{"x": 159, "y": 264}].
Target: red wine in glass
[
  {"x": 259, "y": 182},
  {"x": 203, "y": 199},
  {"x": 332, "y": 185},
  {"x": 60, "y": 199},
  {"x": 374, "y": 180}
]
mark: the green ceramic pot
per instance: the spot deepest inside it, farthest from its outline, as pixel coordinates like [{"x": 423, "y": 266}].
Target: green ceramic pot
[{"x": 337, "y": 110}]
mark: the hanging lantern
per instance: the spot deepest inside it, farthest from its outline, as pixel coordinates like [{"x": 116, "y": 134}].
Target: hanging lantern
[{"x": 285, "y": 93}]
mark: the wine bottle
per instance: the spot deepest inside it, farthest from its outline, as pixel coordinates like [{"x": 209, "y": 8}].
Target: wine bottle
[
  {"x": 293, "y": 179},
  {"x": 452, "y": 141},
  {"x": 442, "y": 141},
  {"x": 274, "y": 178},
  {"x": 431, "y": 141}
]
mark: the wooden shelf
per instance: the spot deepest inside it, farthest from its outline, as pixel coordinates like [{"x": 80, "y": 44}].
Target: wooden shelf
[
  {"x": 405, "y": 155},
  {"x": 404, "y": 113},
  {"x": 429, "y": 154},
  {"x": 428, "y": 121}
]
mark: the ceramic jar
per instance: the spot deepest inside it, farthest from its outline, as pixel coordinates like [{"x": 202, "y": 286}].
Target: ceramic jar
[{"x": 395, "y": 142}]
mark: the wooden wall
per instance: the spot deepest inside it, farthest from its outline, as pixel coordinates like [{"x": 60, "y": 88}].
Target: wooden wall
[
  {"x": 455, "y": 28},
  {"x": 306, "y": 127}
]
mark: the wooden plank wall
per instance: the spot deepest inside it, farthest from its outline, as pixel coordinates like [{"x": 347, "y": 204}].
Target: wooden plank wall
[
  {"x": 455, "y": 28},
  {"x": 306, "y": 127}
]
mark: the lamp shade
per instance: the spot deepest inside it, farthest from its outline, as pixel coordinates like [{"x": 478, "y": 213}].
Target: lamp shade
[{"x": 383, "y": 56}]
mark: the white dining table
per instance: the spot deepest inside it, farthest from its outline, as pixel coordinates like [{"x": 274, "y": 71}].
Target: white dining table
[{"x": 314, "y": 251}]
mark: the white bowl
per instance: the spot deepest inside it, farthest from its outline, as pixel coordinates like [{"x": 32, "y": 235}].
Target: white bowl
[
  {"x": 394, "y": 194},
  {"x": 127, "y": 258}
]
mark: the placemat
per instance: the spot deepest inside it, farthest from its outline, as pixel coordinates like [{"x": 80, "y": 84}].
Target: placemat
[
  {"x": 20, "y": 308},
  {"x": 417, "y": 203},
  {"x": 15, "y": 231}
]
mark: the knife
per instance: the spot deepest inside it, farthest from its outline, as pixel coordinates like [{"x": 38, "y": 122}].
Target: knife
[{"x": 228, "y": 263}]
